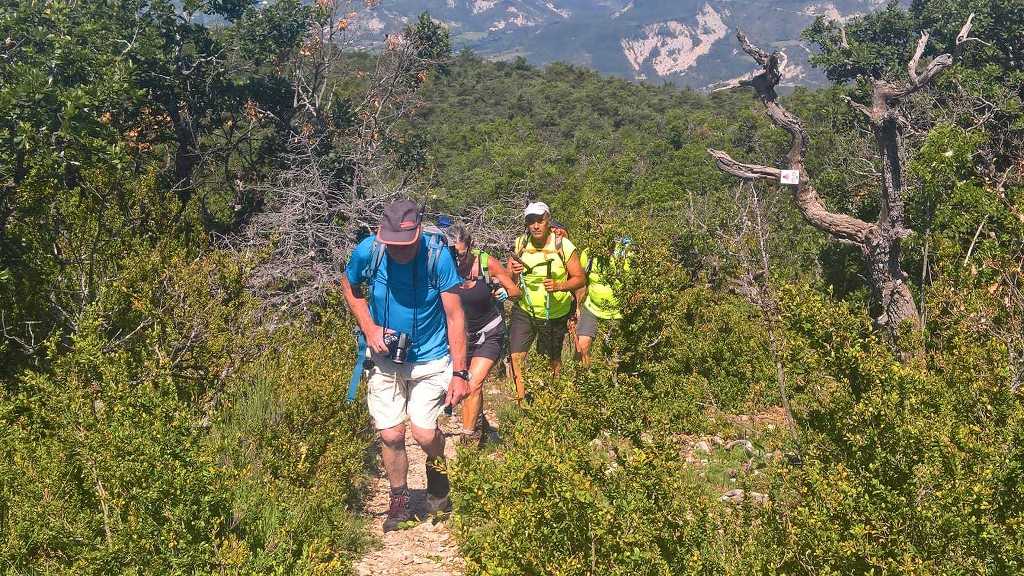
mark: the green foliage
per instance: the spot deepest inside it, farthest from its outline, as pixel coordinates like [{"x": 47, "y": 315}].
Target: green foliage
[
  {"x": 150, "y": 424},
  {"x": 904, "y": 466},
  {"x": 296, "y": 451},
  {"x": 591, "y": 478},
  {"x": 103, "y": 469},
  {"x": 880, "y": 44},
  {"x": 562, "y": 501},
  {"x": 194, "y": 443},
  {"x": 876, "y": 44}
]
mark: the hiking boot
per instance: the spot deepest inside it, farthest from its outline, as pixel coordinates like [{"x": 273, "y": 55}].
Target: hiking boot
[
  {"x": 478, "y": 436},
  {"x": 398, "y": 511},
  {"x": 437, "y": 487},
  {"x": 472, "y": 438}
]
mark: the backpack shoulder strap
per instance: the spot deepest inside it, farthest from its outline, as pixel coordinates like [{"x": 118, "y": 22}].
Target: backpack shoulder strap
[
  {"x": 590, "y": 263},
  {"x": 521, "y": 244},
  {"x": 436, "y": 243},
  {"x": 558, "y": 249},
  {"x": 373, "y": 264}
]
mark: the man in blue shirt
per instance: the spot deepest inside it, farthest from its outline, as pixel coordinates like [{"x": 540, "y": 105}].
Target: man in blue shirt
[{"x": 408, "y": 291}]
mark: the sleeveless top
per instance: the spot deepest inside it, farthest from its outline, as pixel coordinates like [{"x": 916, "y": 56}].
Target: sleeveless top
[
  {"x": 536, "y": 301},
  {"x": 478, "y": 305}
]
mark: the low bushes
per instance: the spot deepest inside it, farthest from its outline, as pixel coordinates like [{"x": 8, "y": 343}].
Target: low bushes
[
  {"x": 195, "y": 443},
  {"x": 895, "y": 468},
  {"x": 908, "y": 468}
]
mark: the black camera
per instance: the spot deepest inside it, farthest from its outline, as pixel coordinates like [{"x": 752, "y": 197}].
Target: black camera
[{"x": 398, "y": 346}]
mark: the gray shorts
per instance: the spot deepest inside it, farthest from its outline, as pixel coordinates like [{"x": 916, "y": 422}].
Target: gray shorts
[
  {"x": 550, "y": 334},
  {"x": 489, "y": 344},
  {"x": 587, "y": 324}
]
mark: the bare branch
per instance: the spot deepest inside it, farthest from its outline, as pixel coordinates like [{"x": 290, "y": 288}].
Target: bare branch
[
  {"x": 759, "y": 55},
  {"x": 916, "y": 59},
  {"x": 934, "y": 68},
  {"x": 745, "y": 171}
]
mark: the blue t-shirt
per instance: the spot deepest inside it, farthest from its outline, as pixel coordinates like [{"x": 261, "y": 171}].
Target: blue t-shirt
[{"x": 405, "y": 298}]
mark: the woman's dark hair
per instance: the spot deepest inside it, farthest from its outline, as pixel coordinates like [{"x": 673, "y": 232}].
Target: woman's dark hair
[{"x": 459, "y": 233}]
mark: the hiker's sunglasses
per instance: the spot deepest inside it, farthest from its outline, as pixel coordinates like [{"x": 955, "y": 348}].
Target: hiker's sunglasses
[{"x": 456, "y": 255}]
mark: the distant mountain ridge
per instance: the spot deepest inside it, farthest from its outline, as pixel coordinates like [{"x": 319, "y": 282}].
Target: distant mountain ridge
[{"x": 688, "y": 42}]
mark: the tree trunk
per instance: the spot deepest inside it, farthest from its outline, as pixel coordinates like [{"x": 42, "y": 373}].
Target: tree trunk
[{"x": 880, "y": 242}]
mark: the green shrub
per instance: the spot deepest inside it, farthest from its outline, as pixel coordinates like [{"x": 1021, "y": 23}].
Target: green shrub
[
  {"x": 592, "y": 479},
  {"x": 104, "y": 469},
  {"x": 558, "y": 498},
  {"x": 196, "y": 444},
  {"x": 907, "y": 469},
  {"x": 297, "y": 452}
]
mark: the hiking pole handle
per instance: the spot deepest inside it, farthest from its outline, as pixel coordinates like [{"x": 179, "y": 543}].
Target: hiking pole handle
[{"x": 520, "y": 262}]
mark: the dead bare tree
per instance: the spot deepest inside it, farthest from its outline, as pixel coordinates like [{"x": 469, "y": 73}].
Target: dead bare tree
[
  {"x": 338, "y": 178},
  {"x": 341, "y": 174},
  {"x": 880, "y": 242}
]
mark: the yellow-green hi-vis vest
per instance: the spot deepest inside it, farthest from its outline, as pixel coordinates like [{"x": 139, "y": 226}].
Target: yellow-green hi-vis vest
[
  {"x": 536, "y": 301},
  {"x": 601, "y": 299}
]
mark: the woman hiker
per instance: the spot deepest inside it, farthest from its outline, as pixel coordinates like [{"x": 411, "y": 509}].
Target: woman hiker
[{"x": 486, "y": 285}]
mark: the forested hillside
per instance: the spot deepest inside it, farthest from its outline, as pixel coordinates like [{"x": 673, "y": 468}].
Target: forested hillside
[{"x": 177, "y": 200}]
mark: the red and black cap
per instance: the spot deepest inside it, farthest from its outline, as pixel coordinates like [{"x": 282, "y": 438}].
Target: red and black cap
[{"x": 400, "y": 224}]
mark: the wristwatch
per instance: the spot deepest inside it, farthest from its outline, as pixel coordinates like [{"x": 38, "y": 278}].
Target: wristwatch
[{"x": 464, "y": 374}]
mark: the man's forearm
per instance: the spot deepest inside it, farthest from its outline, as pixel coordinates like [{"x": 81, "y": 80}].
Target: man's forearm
[
  {"x": 358, "y": 306},
  {"x": 573, "y": 284},
  {"x": 457, "y": 336}
]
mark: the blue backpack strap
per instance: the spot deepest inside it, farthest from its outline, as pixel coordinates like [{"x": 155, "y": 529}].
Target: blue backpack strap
[
  {"x": 373, "y": 264},
  {"x": 357, "y": 370},
  {"x": 368, "y": 276},
  {"x": 436, "y": 244}
]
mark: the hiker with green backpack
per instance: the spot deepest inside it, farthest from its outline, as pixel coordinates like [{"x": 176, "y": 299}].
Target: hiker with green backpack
[
  {"x": 485, "y": 287},
  {"x": 600, "y": 303},
  {"x": 547, "y": 268},
  {"x": 413, "y": 328}
]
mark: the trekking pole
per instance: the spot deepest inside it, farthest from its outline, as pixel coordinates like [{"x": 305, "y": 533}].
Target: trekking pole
[
  {"x": 547, "y": 295},
  {"x": 529, "y": 305}
]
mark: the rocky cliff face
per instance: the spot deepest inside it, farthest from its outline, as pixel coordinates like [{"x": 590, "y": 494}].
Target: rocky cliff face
[{"x": 689, "y": 42}]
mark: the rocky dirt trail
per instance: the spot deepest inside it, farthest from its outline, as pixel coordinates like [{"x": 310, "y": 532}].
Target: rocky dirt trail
[{"x": 428, "y": 549}]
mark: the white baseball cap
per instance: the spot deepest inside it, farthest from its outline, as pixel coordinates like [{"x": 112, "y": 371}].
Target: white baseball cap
[{"x": 536, "y": 209}]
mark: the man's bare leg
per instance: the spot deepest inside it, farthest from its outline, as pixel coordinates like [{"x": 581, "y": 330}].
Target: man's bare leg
[
  {"x": 432, "y": 441},
  {"x": 438, "y": 487},
  {"x": 556, "y": 367},
  {"x": 393, "y": 456},
  {"x": 518, "y": 361}
]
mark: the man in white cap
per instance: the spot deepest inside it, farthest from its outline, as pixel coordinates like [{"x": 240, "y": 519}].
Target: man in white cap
[{"x": 547, "y": 268}]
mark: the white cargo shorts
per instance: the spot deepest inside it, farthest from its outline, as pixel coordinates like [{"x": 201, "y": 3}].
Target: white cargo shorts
[{"x": 413, "y": 389}]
